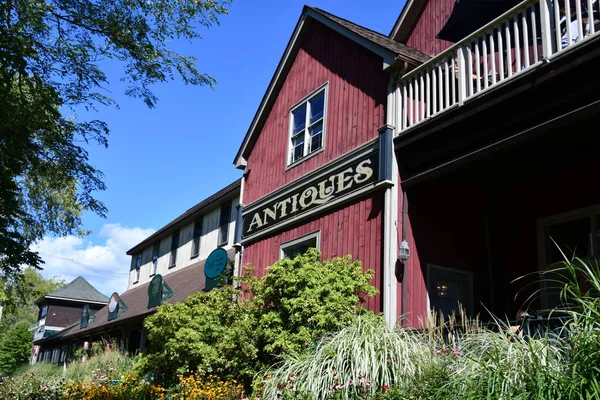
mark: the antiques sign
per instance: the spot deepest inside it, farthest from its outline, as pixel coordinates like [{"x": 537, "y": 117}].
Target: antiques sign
[{"x": 336, "y": 184}]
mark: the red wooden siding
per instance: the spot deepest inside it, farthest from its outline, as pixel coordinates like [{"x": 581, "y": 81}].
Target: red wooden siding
[
  {"x": 445, "y": 227},
  {"x": 356, "y": 106},
  {"x": 354, "y": 229},
  {"x": 430, "y": 22}
]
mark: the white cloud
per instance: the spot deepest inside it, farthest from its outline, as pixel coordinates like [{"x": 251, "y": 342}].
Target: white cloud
[{"x": 108, "y": 256}]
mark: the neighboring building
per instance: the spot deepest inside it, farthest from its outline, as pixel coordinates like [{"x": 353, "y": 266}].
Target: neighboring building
[
  {"x": 62, "y": 308},
  {"x": 188, "y": 239},
  {"x": 168, "y": 266},
  {"x": 473, "y": 156}
]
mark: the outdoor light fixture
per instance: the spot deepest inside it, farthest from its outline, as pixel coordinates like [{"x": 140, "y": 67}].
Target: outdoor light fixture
[{"x": 404, "y": 251}]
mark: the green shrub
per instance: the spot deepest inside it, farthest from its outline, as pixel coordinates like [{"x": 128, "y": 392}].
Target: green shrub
[{"x": 279, "y": 315}]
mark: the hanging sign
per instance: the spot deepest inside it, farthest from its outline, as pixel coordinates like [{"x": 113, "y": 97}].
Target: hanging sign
[
  {"x": 116, "y": 306},
  {"x": 339, "y": 182},
  {"x": 87, "y": 317},
  {"x": 158, "y": 291},
  {"x": 215, "y": 263}
]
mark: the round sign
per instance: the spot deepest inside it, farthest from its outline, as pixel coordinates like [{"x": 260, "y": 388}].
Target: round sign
[
  {"x": 113, "y": 302},
  {"x": 215, "y": 263}
]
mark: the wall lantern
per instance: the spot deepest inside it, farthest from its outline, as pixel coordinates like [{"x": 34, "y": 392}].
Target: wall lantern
[{"x": 404, "y": 251}]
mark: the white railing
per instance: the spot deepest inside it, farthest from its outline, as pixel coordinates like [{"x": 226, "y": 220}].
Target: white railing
[{"x": 515, "y": 42}]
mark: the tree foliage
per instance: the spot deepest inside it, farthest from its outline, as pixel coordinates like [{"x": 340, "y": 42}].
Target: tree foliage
[
  {"x": 20, "y": 313},
  {"x": 280, "y": 314},
  {"x": 51, "y": 58}
]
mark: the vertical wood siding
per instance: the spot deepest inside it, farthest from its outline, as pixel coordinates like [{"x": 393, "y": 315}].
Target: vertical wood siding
[
  {"x": 357, "y": 89},
  {"x": 430, "y": 22},
  {"x": 354, "y": 229}
]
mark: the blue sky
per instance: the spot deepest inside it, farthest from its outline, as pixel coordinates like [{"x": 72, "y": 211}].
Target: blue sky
[{"x": 162, "y": 161}]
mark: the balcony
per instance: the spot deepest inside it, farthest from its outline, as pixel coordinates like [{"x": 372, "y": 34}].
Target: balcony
[{"x": 518, "y": 42}]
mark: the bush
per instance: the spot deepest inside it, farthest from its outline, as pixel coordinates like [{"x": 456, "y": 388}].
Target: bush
[{"x": 298, "y": 301}]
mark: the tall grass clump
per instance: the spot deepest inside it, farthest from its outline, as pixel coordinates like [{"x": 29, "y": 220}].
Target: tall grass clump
[
  {"x": 355, "y": 362},
  {"x": 580, "y": 299},
  {"x": 107, "y": 365}
]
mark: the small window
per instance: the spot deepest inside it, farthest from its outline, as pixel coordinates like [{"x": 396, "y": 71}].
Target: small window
[
  {"x": 174, "y": 246},
  {"x": 43, "y": 311},
  {"x": 307, "y": 126},
  {"x": 574, "y": 234},
  {"x": 224, "y": 224},
  {"x": 155, "y": 250},
  {"x": 196, "y": 239},
  {"x": 136, "y": 278},
  {"x": 300, "y": 246},
  {"x": 138, "y": 261}
]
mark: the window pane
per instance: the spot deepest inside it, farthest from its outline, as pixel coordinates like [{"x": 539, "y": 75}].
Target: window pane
[
  {"x": 138, "y": 261},
  {"x": 316, "y": 137},
  {"x": 224, "y": 223},
  {"x": 155, "y": 249},
  {"x": 299, "y": 119},
  {"x": 316, "y": 107},
  {"x": 196, "y": 238},
  {"x": 299, "y": 248},
  {"x": 298, "y": 150},
  {"x": 573, "y": 238},
  {"x": 175, "y": 240}
]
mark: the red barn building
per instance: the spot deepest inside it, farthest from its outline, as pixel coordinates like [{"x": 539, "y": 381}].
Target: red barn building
[{"x": 466, "y": 135}]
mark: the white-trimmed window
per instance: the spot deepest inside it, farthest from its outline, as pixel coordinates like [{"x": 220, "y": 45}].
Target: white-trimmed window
[
  {"x": 174, "y": 246},
  {"x": 224, "y": 220},
  {"x": 196, "y": 237},
  {"x": 138, "y": 266},
  {"x": 44, "y": 311},
  {"x": 299, "y": 246},
  {"x": 307, "y": 125},
  {"x": 576, "y": 234},
  {"x": 155, "y": 253},
  {"x": 449, "y": 287}
]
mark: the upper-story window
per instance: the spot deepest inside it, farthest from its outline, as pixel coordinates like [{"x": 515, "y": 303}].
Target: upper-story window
[
  {"x": 307, "y": 122},
  {"x": 174, "y": 246},
  {"x": 155, "y": 250},
  {"x": 138, "y": 265},
  {"x": 224, "y": 220},
  {"x": 44, "y": 311},
  {"x": 196, "y": 239}
]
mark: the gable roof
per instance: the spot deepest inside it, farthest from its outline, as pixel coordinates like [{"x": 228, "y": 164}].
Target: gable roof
[
  {"x": 402, "y": 51},
  {"x": 184, "y": 282},
  {"x": 406, "y": 20},
  {"x": 187, "y": 216},
  {"x": 389, "y": 50},
  {"x": 79, "y": 290}
]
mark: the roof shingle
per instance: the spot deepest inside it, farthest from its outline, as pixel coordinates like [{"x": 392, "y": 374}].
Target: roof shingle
[
  {"x": 400, "y": 49},
  {"x": 79, "y": 289}
]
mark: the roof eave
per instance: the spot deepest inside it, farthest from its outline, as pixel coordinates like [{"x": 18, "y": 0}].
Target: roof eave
[
  {"x": 74, "y": 300},
  {"x": 228, "y": 191},
  {"x": 388, "y": 57},
  {"x": 406, "y": 20}
]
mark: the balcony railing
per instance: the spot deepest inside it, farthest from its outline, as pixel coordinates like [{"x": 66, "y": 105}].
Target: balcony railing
[{"x": 533, "y": 32}]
